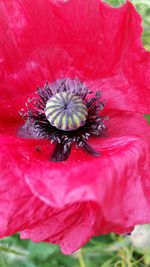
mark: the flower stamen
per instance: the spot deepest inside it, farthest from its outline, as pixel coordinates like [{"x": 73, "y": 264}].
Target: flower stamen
[{"x": 64, "y": 114}]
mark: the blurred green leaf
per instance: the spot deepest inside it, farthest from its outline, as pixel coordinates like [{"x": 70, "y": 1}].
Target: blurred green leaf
[{"x": 44, "y": 249}]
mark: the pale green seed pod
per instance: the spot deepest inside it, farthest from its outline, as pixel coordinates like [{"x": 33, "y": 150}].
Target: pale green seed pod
[{"x": 66, "y": 111}]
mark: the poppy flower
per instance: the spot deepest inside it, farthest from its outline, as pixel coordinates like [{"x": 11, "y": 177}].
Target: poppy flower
[{"x": 87, "y": 60}]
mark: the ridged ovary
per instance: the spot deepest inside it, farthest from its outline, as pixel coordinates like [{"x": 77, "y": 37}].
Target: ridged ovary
[{"x": 66, "y": 111}]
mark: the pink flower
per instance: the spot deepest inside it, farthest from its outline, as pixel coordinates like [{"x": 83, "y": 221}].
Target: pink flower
[{"x": 68, "y": 202}]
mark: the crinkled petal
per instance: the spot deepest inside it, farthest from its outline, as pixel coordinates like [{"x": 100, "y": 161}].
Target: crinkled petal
[
  {"x": 21, "y": 210},
  {"x": 85, "y": 194},
  {"x": 76, "y": 38},
  {"x": 70, "y": 227}
]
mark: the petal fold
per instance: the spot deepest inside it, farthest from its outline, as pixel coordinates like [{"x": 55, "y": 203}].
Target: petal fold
[{"x": 105, "y": 190}]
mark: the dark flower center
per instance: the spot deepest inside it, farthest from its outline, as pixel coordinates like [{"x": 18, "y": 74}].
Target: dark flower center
[{"x": 64, "y": 114}]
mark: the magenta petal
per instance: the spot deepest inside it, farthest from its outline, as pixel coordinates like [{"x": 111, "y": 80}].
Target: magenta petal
[
  {"x": 71, "y": 227},
  {"x": 62, "y": 41},
  {"x": 85, "y": 194}
]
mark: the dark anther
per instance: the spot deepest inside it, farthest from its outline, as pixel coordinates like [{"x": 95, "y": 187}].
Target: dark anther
[{"x": 61, "y": 152}]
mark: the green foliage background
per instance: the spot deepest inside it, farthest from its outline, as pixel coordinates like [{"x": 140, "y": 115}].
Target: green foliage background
[{"x": 104, "y": 251}]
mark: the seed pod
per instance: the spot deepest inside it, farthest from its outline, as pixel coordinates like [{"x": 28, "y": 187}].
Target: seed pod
[{"x": 66, "y": 111}]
